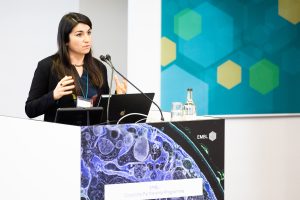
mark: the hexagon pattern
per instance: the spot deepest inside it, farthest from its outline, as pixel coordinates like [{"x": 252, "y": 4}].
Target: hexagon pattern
[
  {"x": 169, "y": 79},
  {"x": 215, "y": 40},
  {"x": 251, "y": 49},
  {"x": 168, "y": 51},
  {"x": 187, "y": 24},
  {"x": 290, "y": 61},
  {"x": 229, "y": 74},
  {"x": 289, "y": 10},
  {"x": 264, "y": 76}
]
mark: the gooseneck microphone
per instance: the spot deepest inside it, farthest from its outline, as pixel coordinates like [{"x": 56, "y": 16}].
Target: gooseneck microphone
[{"x": 107, "y": 59}]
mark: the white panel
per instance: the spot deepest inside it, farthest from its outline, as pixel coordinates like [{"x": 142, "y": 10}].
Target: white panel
[
  {"x": 28, "y": 34},
  {"x": 154, "y": 189},
  {"x": 39, "y": 160},
  {"x": 262, "y": 158},
  {"x": 144, "y": 33}
]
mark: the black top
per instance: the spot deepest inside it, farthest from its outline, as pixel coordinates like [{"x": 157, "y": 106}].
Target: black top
[
  {"x": 87, "y": 90},
  {"x": 40, "y": 99}
]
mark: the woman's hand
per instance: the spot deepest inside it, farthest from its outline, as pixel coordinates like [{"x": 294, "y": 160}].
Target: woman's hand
[
  {"x": 63, "y": 87},
  {"x": 121, "y": 88}
]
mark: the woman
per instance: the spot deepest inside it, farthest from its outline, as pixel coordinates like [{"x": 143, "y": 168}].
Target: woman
[{"x": 71, "y": 75}]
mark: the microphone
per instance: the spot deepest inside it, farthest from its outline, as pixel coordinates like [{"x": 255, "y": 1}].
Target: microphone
[{"x": 107, "y": 59}]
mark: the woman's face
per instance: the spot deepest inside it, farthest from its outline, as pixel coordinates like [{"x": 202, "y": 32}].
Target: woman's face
[{"x": 80, "y": 39}]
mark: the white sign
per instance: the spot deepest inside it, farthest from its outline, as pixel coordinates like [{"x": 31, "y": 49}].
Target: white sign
[{"x": 154, "y": 189}]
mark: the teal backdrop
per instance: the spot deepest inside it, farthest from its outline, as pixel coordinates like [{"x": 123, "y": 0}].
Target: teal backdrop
[{"x": 239, "y": 56}]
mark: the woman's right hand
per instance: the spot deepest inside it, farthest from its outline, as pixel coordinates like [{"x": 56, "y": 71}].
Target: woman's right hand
[{"x": 63, "y": 87}]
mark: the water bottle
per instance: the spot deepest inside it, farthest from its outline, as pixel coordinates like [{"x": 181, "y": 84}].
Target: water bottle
[{"x": 189, "y": 108}]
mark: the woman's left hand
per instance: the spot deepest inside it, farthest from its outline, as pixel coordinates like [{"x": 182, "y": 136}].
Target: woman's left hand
[{"x": 121, "y": 87}]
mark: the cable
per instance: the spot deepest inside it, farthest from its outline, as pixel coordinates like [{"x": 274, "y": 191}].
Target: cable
[
  {"x": 129, "y": 114},
  {"x": 138, "y": 121}
]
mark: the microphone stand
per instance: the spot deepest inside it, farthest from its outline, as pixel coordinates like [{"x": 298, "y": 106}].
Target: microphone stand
[
  {"x": 107, "y": 60},
  {"x": 109, "y": 96},
  {"x": 109, "y": 93}
]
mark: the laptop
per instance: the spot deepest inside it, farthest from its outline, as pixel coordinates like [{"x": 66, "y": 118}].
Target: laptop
[
  {"x": 126, "y": 108},
  {"x": 79, "y": 116}
]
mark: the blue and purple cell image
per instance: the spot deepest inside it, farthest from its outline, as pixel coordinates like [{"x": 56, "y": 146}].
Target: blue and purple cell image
[{"x": 130, "y": 153}]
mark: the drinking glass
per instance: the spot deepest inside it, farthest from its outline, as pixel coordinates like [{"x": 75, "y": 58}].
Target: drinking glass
[{"x": 176, "y": 111}]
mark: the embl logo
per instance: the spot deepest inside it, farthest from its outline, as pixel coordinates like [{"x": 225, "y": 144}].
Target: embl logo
[
  {"x": 212, "y": 136},
  {"x": 201, "y": 137}
]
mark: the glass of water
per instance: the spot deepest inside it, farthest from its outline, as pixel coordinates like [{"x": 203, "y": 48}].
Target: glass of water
[{"x": 176, "y": 111}]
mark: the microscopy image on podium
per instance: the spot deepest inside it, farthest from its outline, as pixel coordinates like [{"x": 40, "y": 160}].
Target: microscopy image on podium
[{"x": 120, "y": 155}]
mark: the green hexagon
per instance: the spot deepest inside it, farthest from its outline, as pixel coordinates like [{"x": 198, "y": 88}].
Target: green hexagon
[
  {"x": 264, "y": 76},
  {"x": 229, "y": 74},
  {"x": 187, "y": 24}
]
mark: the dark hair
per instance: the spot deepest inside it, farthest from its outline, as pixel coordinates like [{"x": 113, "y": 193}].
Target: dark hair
[{"x": 62, "y": 64}]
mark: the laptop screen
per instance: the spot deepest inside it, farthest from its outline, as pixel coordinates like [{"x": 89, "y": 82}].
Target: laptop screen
[{"x": 126, "y": 108}]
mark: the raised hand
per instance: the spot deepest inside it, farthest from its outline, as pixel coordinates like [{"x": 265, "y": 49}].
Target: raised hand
[
  {"x": 63, "y": 87},
  {"x": 121, "y": 87}
]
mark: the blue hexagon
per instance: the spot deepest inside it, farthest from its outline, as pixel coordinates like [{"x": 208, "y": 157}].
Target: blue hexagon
[
  {"x": 252, "y": 51},
  {"x": 173, "y": 89},
  {"x": 273, "y": 20},
  {"x": 279, "y": 39},
  {"x": 246, "y": 57},
  {"x": 211, "y": 45},
  {"x": 291, "y": 60},
  {"x": 259, "y": 35}
]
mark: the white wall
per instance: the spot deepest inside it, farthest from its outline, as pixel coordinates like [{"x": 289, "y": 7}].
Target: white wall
[
  {"x": 144, "y": 33},
  {"x": 28, "y": 34},
  {"x": 262, "y": 158}
]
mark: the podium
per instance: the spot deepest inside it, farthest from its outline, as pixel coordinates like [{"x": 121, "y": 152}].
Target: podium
[
  {"x": 153, "y": 160},
  {"x": 39, "y": 160},
  {"x": 42, "y": 159}
]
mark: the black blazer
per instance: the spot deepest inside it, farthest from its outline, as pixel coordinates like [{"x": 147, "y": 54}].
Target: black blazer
[{"x": 40, "y": 99}]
